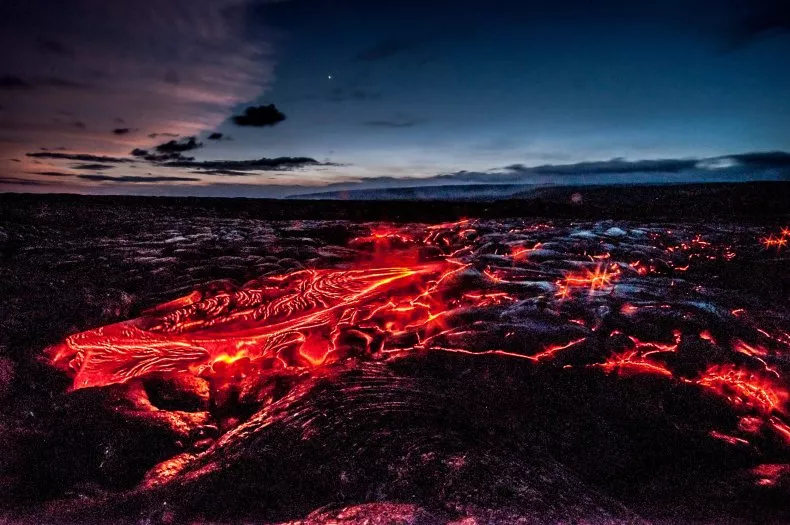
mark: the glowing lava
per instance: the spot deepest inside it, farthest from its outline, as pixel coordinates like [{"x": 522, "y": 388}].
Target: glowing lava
[
  {"x": 394, "y": 303},
  {"x": 284, "y": 320}
]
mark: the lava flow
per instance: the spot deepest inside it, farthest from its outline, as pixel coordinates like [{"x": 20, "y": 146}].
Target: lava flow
[
  {"x": 429, "y": 288},
  {"x": 281, "y": 321}
]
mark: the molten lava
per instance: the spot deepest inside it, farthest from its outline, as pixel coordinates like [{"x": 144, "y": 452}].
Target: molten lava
[
  {"x": 397, "y": 302},
  {"x": 283, "y": 320}
]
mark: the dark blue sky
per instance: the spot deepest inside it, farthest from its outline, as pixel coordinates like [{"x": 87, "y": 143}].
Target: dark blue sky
[{"x": 389, "y": 90}]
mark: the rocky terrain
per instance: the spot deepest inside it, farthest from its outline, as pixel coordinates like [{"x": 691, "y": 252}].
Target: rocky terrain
[{"x": 168, "y": 364}]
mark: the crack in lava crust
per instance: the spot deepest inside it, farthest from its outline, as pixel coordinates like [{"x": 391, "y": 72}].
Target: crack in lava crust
[
  {"x": 287, "y": 320},
  {"x": 466, "y": 297}
]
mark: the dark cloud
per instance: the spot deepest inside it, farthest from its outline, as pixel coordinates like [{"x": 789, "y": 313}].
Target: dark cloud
[
  {"x": 121, "y": 131},
  {"x": 737, "y": 167},
  {"x": 259, "y": 116},
  {"x": 169, "y": 135},
  {"x": 386, "y": 49},
  {"x": 761, "y": 18},
  {"x": 54, "y": 47},
  {"x": 52, "y": 173},
  {"x": 10, "y": 82},
  {"x": 82, "y": 157},
  {"x": 78, "y": 124},
  {"x": 392, "y": 123},
  {"x": 179, "y": 146},
  {"x": 614, "y": 166},
  {"x": 92, "y": 167},
  {"x": 215, "y": 136},
  {"x": 14, "y": 82},
  {"x": 770, "y": 159},
  {"x": 23, "y": 182},
  {"x": 224, "y": 172},
  {"x": 263, "y": 164},
  {"x": 159, "y": 157},
  {"x": 744, "y": 166},
  {"x": 135, "y": 178}
]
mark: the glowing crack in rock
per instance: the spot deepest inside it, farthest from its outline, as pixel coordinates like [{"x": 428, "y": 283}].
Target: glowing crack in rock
[
  {"x": 288, "y": 319},
  {"x": 394, "y": 302}
]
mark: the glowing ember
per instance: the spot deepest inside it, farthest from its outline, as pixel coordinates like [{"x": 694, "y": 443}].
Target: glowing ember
[
  {"x": 777, "y": 241},
  {"x": 632, "y": 362},
  {"x": 745, "y": 389},
  {"x": 600, "y": 279}
]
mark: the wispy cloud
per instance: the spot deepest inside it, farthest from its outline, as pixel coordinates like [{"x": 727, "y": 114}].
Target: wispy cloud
[{"x": 173, "y": 67}]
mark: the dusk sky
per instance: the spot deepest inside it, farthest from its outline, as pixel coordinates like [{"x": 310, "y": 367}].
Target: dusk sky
[{"x": 103, "y": 97}]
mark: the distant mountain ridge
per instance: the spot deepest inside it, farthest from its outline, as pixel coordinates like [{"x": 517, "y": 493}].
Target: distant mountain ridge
[{"x": 443, "y": 192}]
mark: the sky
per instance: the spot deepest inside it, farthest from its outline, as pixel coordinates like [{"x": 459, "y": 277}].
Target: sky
[{"x": 282, "y": 97}]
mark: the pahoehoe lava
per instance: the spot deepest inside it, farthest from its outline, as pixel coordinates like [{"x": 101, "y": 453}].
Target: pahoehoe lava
[{"x": 505, "y": 370}]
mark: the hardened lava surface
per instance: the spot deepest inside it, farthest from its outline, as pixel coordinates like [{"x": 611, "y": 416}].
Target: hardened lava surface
[{"x": 477, "y": 371}]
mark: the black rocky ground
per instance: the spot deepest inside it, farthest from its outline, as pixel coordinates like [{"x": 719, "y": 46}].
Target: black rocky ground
[{"x": 430, "y": 437}]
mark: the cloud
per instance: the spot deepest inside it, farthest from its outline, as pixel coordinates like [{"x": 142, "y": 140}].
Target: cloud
[
  {"x": 221, "y": 167},
  {"x": 24, "y": 182},
  {"x": 738, "y": 167},
  {"x": 392, "y": 123},
  {"x": 135, "y": 178},
  {"x": 232, "y": 173},
  {"x": 131, "y": 54},
  {"x": 179, "y": 146},
  {"x": 52, "y": 173},
  {"x": 82, "y": 157},
  {"x": 14, "y": 82},
  {"x": 259, "y": 116},
  {"x": 761, "y": 18},
  {"x": 91, "y": 167},
  {"x": 744, "y": 166},
  {"x": 216, "y": 136},
  {"x": 144, "y": 154},
  {"x": 769, "y": 159},
  {"x": 614, "y": 166},
  {"x": 121, "y": 131},
  {"x": 155, "y": 135},
  {"x": 159, "y": 157}
]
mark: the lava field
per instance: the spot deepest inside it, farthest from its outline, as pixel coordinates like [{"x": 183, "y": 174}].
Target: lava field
[{"x": 214, "y": 369}]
